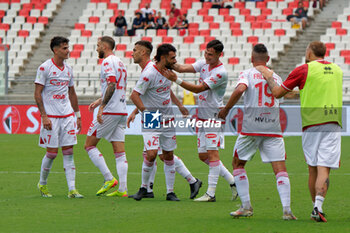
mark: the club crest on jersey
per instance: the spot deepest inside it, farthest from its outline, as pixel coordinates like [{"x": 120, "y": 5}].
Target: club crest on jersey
[
  {"x": 151, "y": 120},
  {"x": 106, "y": 64},
  {"x": 42, "y": 68}
]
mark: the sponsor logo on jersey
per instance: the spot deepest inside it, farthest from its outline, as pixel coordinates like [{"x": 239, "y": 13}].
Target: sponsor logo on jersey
[
  {"x": 210, "y": 135},
  {"x": 56, "y": 82},
  {"x": 71, "y": 132},
  {"x": 145, "y": 79},
  {"x": 11, "y": 120},
  {"x": 162, "y": 89}
]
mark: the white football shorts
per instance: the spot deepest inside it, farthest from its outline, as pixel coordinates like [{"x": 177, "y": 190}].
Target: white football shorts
[
  {"x": 159, "y": 140},
  {"x": 209, "y": 139},
  {"x": 321, "y": 145},
  {"x": 271, "y": 148},
  {"x": 112, "y": 128},
  {"x": 62, "y": 133}
]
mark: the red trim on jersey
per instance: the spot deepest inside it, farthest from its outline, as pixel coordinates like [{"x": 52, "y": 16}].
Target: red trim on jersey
[
  {"x": 214, "y": 67},
  {"x": 111, "y": 79},
  {"x": 325, "y": 123},
  {"x": 145, "y": 65},
  {"x": 262, "y": 134},
  {"x": 57, "y": 65},
  {"x": 59, "y": 116},
  {"x": 200, "y": 119},
  {"x": 114, "y": 113},
  {"x": 156, "y": 68}
]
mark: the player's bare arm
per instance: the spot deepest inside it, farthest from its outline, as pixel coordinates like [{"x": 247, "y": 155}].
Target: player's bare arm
[
  {"x": 183, "y": 68},
  {"x": 108, "y": 95},
  {"x": 177, "y": 102},
  {"x": 74, "y": 102},
  {"x": 39, "y": 101},
  {"x": 95, "y": 104},
  {"x": 236, "y": 95},
  {"x": 135, "y": 98},
  {"x": 277, "y": 91},
  {"x": 187, "y": 85},
  {"x": 131, "y": 117}
]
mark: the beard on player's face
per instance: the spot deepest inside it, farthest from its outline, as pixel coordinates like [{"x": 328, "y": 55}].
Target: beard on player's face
[{"x": 101, "y": 54}]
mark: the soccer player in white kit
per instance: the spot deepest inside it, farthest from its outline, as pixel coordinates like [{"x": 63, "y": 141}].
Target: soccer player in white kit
[
  {"x": 57, "y": 101},
  {"x": 152, "y": 92},
  {"x": 111, "y": 119},
  {"x": 261, "y": 130},
  {"x": 212, "y": 87},
  {"x": 141, "y": 55}
]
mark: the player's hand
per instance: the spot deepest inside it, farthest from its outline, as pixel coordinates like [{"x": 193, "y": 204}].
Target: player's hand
[
  {"x": 267, "y": 73},
  {"x": 47, "y": 123},
  {"x": 94, "y": 105},
  {"x": 131, "y": 118},
  {"x": 223, "y": 113},
  {"x": 184, "y": 111},
  {"x": 169, "y": 74},
  {"x": 79, "y": 124},
  {"x": 99, "y": 115}
]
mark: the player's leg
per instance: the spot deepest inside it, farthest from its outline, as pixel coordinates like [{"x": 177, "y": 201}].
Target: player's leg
[{"x": 312, "y": 182}]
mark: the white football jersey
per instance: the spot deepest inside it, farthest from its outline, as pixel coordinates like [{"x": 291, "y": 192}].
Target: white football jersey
[
  {"x": 113, "y": 70},
  {"x": 55, "y": 93},
  {"x": 155, "y": 91},
  {"x": 261, "y": 109},
  {"x": 211, "y": 100}
]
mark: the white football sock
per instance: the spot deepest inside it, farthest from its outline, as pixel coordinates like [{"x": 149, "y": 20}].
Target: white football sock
[
  {"x": 319, "y": 202},
  {"x": 183, "y": 171},
  {"x": 213, "y": 177},
  {"x": 169, "y": 170},
  {"x": 46, "y": 166},
  {"x": 242, "y": 185},
  {"x": 283, "y": 187},
  {"x": 69, "y": 168},
  {"x": 97, "y": 159},
  {"x": 226, "y": 174},
  {"x": 147, "y": 168},
  {"x": 122, "y": 170},
  {"x": 152, "y": 177}
]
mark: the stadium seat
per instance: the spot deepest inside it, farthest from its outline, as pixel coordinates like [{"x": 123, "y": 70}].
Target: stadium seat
[{"x": 75, "y": 54}]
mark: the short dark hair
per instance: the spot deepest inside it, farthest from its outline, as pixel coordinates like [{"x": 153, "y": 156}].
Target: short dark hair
[
  {"x": 318, "y": 48},
  {"x": 260, "y": 48},
  {"x": 109, "y": 40},
  {"x": 164, "y": 49},
  {"x": 216, "y": 45},
  {"x": 148, "y": 45},
  {"x": 260, "y": 53},
  {"x": 57, "y": 41}
]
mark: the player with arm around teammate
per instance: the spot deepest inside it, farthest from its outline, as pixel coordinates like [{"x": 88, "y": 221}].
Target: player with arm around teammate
[
  {"x": 264, "y": 134},
  {"x": 57, "y": 102},
  {"x": 111, "y": 119}
]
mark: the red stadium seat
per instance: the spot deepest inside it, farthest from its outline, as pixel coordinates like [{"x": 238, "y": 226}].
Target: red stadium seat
[
  {"x": 336, "y": 24},
  {"x": 250, "y": 18},
  {"x": 4, "y": 26},
  {"x": 345, "y": 53},
  {"x": 266, "y": 25},
  {"x": 2, "y": 13},
  {"x": 193, "y": 26},
  {"x": 244, "y": 11},
  {"x": 188, "y": 40},
  {"x": 167, "y": 39},
  {"x": 204, "y": 32},
  {"x": 280, "y": 32},
  {"x": 23, "y": 33},
  {"x": 79, "y": 26},
  {"x": 347, "y": 60},
  {"x": 24, "y": 12},
  {"x": 202, "y": 12},
  {"x": 31, "y": 19},
  {"x": 261, "y": 18},
  {"x": 349, "y": 18},
  {"x": 94, "y": 19},
  {"x": 261, "y": 5},
  {"x": 193, "y": 32},
  {"x": 237, "y": 32},
  {"x": 112, "y": 6},
  {"x": 121, "y": 47},
  {"x": 266, "y": 11},
  {"x": 207, "y": 5},
  {"x": 86, "y": 33},
  {"x": 39, "y": 6},
  {"x": 224, "y": 11},
  {"x": 78, "y": 47},
  {"x": 239, "y": 5},
  {"x": 128, "y": 54},
  {"x": 208, "y": 18},
  {"x": 162, "y": 32},
  {"x": 287, "y": 11},
  {"x": 235, "y": 26},
  {"x": 214, "y": 25},
  {"x": 190, "y": 60},
  {"x": 229, "y": 18},
  {"x": 75, "y": 54},
  {"x": 44, "y": 20},
  {"x": 327, "y": 53},
  {"x": 341, "y": 32},
  {"x": 256, "y": 25},
  {"x": 147, "y": 38},
  {"x": 186, "y": 4},
  {"x": 203, "y": 46},
  {"x": 209, "y": 38},
  {"x": 253, "y": 39},
  {"x": 330, "y": 46},
  {"x": 27, "y": 6},
  {"x": 293, "y": 5},
  {"x": 233, "y": 60}
]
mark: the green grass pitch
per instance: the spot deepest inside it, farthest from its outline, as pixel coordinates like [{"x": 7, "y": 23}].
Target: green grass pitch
[{"x": 23, "y": 210}]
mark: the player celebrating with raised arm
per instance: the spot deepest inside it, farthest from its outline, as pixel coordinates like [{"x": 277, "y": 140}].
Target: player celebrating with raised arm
[
  {"x": 152, "y": 92},
  {"x": 212, "y": 87},
  {"x": 264, "y": 135},
  {"x": 111, "y": 118},
  {"x": 320, "y": 83},
  {"x": 56, "y": 99},
  {"x": 141, "y": 55}
]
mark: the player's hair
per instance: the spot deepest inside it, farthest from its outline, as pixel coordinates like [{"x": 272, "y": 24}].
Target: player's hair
[
  {"x": 318, "y": 48},
  {"x": 109, "y": 40},
  {"x": 260, "y": 53},
  {"x": 57, "y": 41},
  {"x": 164, "y": 49},
  {"x": 216, "y": 45},
  {"x": 148, "y": 45}
]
